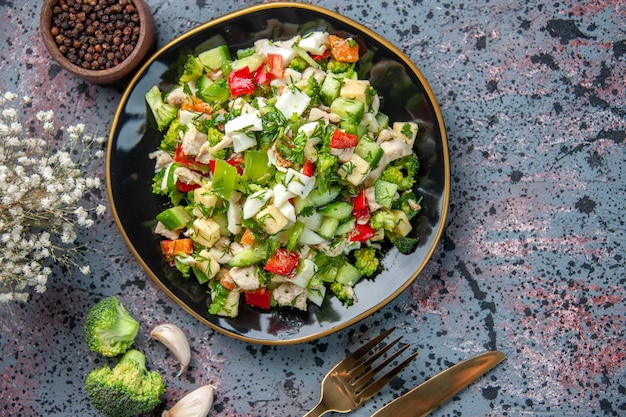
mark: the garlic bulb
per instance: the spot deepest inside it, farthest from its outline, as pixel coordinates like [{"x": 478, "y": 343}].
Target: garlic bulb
[
  {"x": 197, "y": 403},
  {"x": 175, "y": 340}
]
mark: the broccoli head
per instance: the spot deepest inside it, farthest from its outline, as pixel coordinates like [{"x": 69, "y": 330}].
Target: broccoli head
[
  {"x": 312, "y": 89},
  {"x": 109, "y": 328},
  {"x": 338, "y": 66},
  {"x": 383, "y": 219},
  {"x": 404, "y": 244},
  {"x": 408, "y": 203},
  {"x": 192, "y": 70},
  {"x": 171, "y": 137},
  {"x": 126, "y": 390},
  {"x": 402, "y": 172},
  {"x": 298, "y": 64},
  {"x": 162, "y": 113},
  {"x": 366, "y": 261},
  {"x": 344, "y": 293}
]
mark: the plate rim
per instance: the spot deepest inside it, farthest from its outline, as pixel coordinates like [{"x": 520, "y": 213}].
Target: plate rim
[{"x": 350, "y": 22}]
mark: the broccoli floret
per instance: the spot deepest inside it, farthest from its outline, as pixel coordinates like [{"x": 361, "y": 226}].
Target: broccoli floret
[
  {"x": 338, "y": 66},
  {"x": 344, "y": 293},
  {"x": 298, "y": 64},
  {"x": 404, "y": 244},
  {"x": 383, "y": 219},
  {"x": 408, "y": 203},
  {"x": 162, "y": 112},
  {"x": 126, "y": 390},
  {"x": 109, "y": 328},
  {"x": 170, "y": 139},
  {"x": 312, "y": 89},
  {"x": 402, "y": 172},
  {"x": 366, "y": 260},
  {"x": 193, "y": 70}
]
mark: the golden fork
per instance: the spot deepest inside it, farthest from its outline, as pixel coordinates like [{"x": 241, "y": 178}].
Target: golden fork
[{"x": 351, "y": 382}]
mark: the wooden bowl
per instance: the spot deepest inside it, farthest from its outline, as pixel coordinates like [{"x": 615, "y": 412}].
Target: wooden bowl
[{"x": 116, "y": 73}]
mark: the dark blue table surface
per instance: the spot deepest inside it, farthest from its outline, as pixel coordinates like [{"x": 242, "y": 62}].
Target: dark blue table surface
[{"x": 531, "y": 261}]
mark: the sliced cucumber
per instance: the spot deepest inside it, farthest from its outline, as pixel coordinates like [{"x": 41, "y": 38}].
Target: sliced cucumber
[{"x": 339, "y": 210}]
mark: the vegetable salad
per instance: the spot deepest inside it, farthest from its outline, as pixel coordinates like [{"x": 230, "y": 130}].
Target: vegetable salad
[{"x": 285, "y": 178}]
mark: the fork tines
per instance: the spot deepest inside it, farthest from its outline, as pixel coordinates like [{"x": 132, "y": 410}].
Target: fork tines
[{"x": 364, "y": 368}]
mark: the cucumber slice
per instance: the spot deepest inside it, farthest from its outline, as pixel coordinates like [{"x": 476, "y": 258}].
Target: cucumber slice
[
  {"x": 328, "y": 227},
  {"x": 339, "y": 210},
  {"x": 348, "y": 274},
  {"x": 174, "y": 218}
]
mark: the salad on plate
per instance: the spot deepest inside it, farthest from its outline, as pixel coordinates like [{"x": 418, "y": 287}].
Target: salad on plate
[{"x": 284, "y": 178}]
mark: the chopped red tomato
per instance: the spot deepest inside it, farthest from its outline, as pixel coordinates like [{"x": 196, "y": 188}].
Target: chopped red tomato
[
  {"x": 343, "y": 140},
  {"x": 275, "y": 65},
  {"x": 173, "y": 248},
  {"x": 362, "y": 233},
  {"x": 282, "y": 262},
  {"x": 261, "y": 298},
  {"x": 240, "y": 82},
  {"x": 344, "y": 49},
  {"x": 307, "y": 168}
]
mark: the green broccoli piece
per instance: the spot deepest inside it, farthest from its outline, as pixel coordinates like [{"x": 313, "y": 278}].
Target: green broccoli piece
[
  {"x": 312, "y": 89},
  {"x": 344, "y": 293},
  {"x": 338, "y": 66},
  {"x": 298, "y": 64},
  {"x": 383, "y": 219},
  {"x": 402, "y": 172},
  {"x": 170, "y": 139},
  {"x": 157, "y": 182},
  {"x": 109, "y": 328},
  {"x": 126, "y": 390},
  {"x": 404, "y": 244},
  {"x": 366, "y": 260},
  {"x": 408, "y": 203},
  {"x": 326, "y": 170},
  {"x": 162, "y": 113},
  {"x": 192, "y": 70}
]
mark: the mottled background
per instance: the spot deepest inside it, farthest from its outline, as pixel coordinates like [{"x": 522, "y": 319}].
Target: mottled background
[{"x": 531, "y": 261}]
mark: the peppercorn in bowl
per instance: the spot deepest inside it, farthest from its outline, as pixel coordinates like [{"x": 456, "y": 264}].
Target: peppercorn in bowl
[{"x": 101, "y": 41}]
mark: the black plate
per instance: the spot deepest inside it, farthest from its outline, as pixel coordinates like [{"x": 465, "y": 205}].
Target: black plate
[{"x": 406, "y": 97}]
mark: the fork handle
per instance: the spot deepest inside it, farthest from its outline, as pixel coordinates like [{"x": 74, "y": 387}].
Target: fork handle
[{"x": 317, "y": 411}]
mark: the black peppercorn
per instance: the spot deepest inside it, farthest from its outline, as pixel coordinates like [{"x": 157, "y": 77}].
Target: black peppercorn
[{"x": 95, "y": 34}]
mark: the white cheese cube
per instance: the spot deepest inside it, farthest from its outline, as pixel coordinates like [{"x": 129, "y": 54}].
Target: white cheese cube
[
  {"x": 403, "y": 225},
  {"x": 207, "y": 264},
  {"x": 406, "y": 131},
  {"x": 205, "y": 232},
  {"x": 272, "y": 219},
  {"x": 355, "y": 170}
]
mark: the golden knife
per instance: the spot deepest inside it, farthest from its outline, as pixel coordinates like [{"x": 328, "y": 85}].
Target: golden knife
[{"x": 424, "y": 398}]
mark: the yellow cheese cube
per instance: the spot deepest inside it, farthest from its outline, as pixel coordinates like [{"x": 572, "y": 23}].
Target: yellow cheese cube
[{"x": 272, "y": 219}]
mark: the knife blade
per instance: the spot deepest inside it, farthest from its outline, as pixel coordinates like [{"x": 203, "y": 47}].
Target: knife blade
[{"x": 429, "y": 395}]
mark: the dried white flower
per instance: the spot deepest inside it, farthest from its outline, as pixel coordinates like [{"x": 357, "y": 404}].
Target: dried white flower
[{"x": 41, "y": 190}]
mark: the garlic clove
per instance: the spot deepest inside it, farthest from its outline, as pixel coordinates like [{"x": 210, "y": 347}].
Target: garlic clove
[
  {"x": 197, "y": 403},
  {"x": 175, "y": 340}
]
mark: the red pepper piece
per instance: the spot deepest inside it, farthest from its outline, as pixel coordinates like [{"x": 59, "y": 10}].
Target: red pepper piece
[
  {"x": 343, "y": 140},
  {"x": 240, "y": 82},
  {"x": 260, "y": 298},
  {"x": 184, "y": 187},
  {"x": 361, "y": 210},
  {"x": 307, "y": 168},
  {"x": 282, "y": 262},
  {"x": 362, "y": 233},
  {"x": 275, "y": 65}
]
